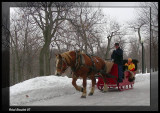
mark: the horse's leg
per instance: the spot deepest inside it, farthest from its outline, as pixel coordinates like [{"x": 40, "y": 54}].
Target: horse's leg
[
  {"x": 84, "y": 87},
  {"x": 105, "y": 89},
  {"x": 93, "y": 85},
  {"x": 74, "y": 79}
]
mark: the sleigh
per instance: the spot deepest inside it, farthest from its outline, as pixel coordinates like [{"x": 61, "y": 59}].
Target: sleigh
[{"x": 112, "y": 78}]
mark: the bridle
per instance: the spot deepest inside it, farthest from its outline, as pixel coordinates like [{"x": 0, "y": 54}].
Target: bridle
[{"x": 62, "y": 65}]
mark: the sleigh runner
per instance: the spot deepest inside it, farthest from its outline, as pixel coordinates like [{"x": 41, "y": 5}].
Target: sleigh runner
[{"x": 112, "y": 78}]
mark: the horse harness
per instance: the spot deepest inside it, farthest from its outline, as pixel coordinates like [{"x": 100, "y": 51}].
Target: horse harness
[{"x": 80, "y": 63}]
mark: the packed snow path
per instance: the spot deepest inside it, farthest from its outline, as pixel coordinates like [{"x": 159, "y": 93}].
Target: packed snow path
[{"x": 58, "y": 91}]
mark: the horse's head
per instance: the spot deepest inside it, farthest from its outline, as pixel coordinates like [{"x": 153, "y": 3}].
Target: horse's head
[{"x": 61, "y": 65}]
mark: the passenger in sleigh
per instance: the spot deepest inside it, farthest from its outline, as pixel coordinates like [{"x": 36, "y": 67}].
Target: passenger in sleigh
[{"x": 131, "y": 69}]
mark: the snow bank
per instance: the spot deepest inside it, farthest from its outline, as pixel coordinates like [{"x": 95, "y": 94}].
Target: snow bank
[
  {"x": 39, "y": 83},
  {"x": 40, "y": 88},
  {"x": 47, "y": 87},
  {"x": 142, "y": 77}
]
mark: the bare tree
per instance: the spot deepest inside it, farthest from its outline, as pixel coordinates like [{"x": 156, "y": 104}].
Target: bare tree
[
  {"x": 83, "y": 21},
  {"x": 112, "y": 29},
  {"x": 143, "y": 24},
  {"x": 24, "y": 46},
  {"x": 48, "y": 16},
  {"x": 150, "y": 17}
]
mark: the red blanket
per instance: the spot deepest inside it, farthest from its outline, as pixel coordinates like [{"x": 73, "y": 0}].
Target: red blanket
[{"x": 114, "y": 72}]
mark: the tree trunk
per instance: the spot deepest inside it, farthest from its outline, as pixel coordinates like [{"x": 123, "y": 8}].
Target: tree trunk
[
  {"x": 44, "y": 56},
  {"x": 41, "y": 62},
  {"x": 14, "y": 69},
  {"x": 108, "y": 49},
  {"x": 19, "y": 69},
  {"x": 47, "y": 61},
  {"x": 13, "y": 66},
  {"x": 29, "y": 65}
]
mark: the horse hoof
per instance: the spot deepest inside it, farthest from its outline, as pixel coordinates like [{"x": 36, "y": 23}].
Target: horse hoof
[
  {"x": 83, "y": 96},
  {"x": 90, "y": 94}
]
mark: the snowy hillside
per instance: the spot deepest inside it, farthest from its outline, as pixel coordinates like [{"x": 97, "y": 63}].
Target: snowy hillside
[{"x": 51, "y": 87}]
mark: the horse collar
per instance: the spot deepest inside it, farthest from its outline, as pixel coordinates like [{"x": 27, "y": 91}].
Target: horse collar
[{"x": 78, "y": 62}]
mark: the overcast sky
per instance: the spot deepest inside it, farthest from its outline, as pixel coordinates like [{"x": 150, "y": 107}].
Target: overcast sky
[
  {"x": 121, "y": 11},
  {"x": 122, "y": 15},
  {"x": 115, "y": 4}
]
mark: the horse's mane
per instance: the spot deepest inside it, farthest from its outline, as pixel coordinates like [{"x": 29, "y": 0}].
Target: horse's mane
[{"x": 67, "y": 56}]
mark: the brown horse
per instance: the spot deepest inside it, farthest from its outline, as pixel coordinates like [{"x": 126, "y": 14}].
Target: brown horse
[{"x": 83, "y": 66}]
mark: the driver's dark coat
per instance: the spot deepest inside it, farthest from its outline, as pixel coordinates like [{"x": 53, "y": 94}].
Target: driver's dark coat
[{"x": 117, "y": 55}]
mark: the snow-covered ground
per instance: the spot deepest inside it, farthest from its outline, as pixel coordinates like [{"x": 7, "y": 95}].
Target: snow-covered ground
[{"x": 58, "y": 91}]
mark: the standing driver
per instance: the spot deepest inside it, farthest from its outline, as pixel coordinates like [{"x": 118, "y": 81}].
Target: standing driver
[{"x": 117, "y": 57}]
